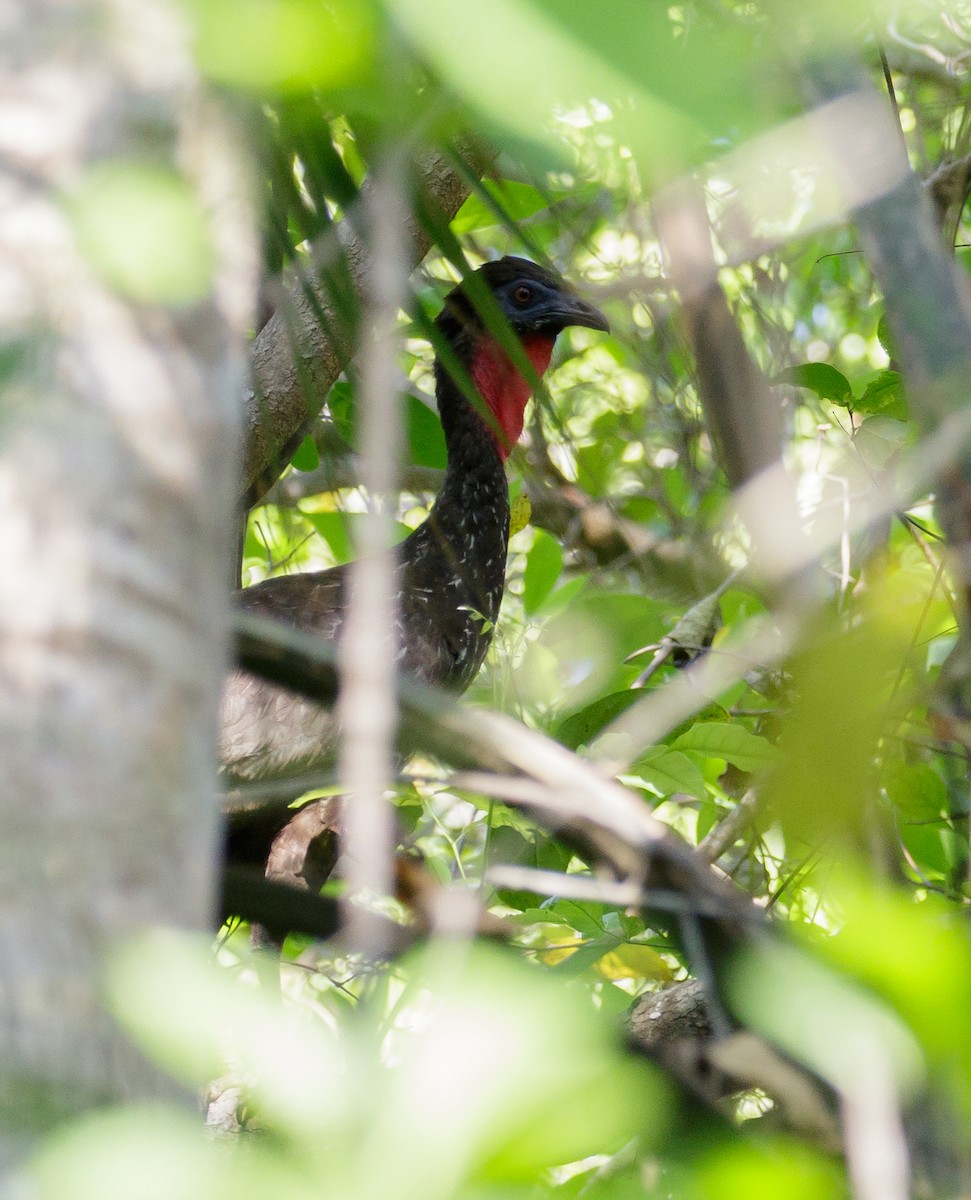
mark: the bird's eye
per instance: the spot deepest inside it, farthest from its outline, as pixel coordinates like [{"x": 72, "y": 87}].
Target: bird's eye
[{"x": 522, "y": 294}]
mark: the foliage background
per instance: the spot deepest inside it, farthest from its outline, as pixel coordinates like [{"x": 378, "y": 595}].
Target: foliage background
[{"x": 857, "y": 846}]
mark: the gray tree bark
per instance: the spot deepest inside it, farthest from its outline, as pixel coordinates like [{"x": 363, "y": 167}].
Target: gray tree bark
[{"x": 118, "y": 465}]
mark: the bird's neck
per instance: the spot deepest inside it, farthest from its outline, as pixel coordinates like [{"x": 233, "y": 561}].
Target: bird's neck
[
  {"x": 503, "y": 388},
  {"x": 457, "y": 559},
  {"x": 478, "y": 445}
]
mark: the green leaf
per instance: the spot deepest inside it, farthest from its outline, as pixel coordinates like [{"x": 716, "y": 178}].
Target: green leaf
[
  {"x": 583, "y": 726},
  {"x": 426, "y": 441},
  {"x": 821, "y": 378},
  {"x": 336, "y": 528},
  {"x": 664, "y": 772},
  {"x": 540, "y": 916},
  {"x": 634, "y": 960},
  {"x": 144, "y": 230},
  {"x": 544, "y": 562},
  {"x": 289, "y": 45},
  {"x": 587, "y": 919},
  {"x": 917, "y": 790},
  {"x": 936, "y": 849},
  {"x": 884, "y": 394},
  {"x": 885, "y": 337},
  {"x": 565, "y": 594},
  {"x": 520, "y": 200},
  {"x": 718, "y": 739},
  {"x": 880, "y": 438},
  {"x": 342, "y": 407},
  {"x": 306, "y": 457},
  {"x": 585, "y": 955}
]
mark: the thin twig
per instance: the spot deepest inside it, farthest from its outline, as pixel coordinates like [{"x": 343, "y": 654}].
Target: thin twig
[{"x": 724, "y": 835}]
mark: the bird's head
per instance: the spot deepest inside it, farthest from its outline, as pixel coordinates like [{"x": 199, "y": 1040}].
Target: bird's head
[{"x": 538, "y": 305}]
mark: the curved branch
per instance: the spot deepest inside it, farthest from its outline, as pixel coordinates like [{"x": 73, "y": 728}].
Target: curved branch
[{"x": 301, "y": 350}]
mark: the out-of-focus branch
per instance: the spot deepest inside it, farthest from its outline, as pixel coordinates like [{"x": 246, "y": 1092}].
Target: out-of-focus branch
[
  {"x": 724, "y": 835},
  {"x": 295, "y": 358},
  {"x": 673, "y": 1026},
  {"x": 949, "y": 187},
  {"x": 928, "y": 307},
  {"x": 576, "y": 799},
  {"x": 742, "y": 415},
  {"x": 367, "y": 711},
  {"x": 343, "y": 473}
]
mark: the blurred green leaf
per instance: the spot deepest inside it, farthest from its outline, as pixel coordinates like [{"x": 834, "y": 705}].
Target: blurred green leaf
[
  {"x": 769, "y": 1171},
  {"x": 144, "y": 230},
  {"x": 156, "y": 1153},
  {"x": 342, "y": 405},
  {"x": 519, "y": 200},
  {"x": 480, "y": 50},
  {"x": 824, "y": 778},
  {"x": 192, "y": 1018},
  {"x": 927, "y": 977},
  {"x": 544, "y": 562},
  {"x": 845, "y": 1034},
  {"x": 283, "y": 45},
  {"x": 541, "y": 1081},
  {"x": 917, "y": 790}
]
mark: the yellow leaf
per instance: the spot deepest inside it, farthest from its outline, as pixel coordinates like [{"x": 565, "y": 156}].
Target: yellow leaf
[
  {"x": 633, "y": 961},
  {"x": 520, "y": 512},
  {"x": 557, "y": 952}
]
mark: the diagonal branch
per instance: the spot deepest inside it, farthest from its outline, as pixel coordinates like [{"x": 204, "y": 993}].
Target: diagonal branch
[
  {"x": 576, "y": 799},
  {"x": 301, "y": 350}
]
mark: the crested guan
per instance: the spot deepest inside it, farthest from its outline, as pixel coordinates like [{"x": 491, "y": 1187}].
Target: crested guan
[{"x": 451, "y": 569}]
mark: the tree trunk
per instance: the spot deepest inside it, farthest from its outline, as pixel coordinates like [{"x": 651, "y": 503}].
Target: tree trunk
[{"x": 118, "y": 462}]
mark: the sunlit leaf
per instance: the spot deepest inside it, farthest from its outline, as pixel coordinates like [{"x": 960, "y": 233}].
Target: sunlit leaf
[
  {"x": 284, "y": 45},
  {"x": 519, "y": 200},
  {"x": 156, "y": 1153},
  {"x": 784, "y": 1167},
  {"x": 821, "y": 378},
  {"x": 634, "y": 961},
  {"x": 884, "y": 394},
  {"x": 520, "y": 511}
]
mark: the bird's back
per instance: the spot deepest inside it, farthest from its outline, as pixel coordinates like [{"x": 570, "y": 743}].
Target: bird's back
[
  {"x": 266, "y": 729},
  {"x": 447, "y": 604}
]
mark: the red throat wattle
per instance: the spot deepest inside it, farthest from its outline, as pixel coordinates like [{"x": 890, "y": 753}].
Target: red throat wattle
[{"x": 503, "y": 388}]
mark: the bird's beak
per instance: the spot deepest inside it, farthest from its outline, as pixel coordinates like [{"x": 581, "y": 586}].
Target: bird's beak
[{"x": 570, "y": 309}]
